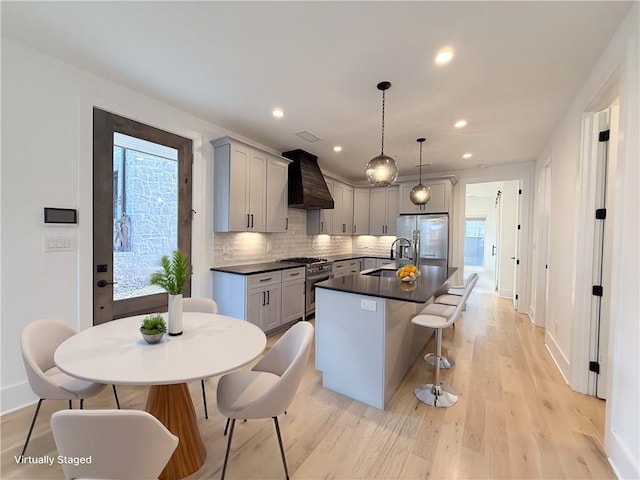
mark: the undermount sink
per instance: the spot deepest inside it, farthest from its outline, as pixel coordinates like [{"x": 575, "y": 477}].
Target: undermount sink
[{"x": 385, "y": 272}]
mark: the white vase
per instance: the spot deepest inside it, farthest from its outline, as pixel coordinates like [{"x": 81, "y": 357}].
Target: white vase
[{"x": 174, "y": 326}]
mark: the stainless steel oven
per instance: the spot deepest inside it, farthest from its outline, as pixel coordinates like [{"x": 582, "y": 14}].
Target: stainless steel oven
[{"x": 317, "y": 270}]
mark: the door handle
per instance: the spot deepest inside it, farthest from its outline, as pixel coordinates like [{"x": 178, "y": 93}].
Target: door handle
[
  {"x": 252, "y": 220},
  {"x": 247, "y": 220},
  {"x": 268, "y": 297},
  {"x": 286, "y": 223},
  {"x": 513, "y": 258},
  {"x": 104, "y": 283},
  {"x": 264, "y": 298},
  {"x": 493, "y": 250},
  {"x": 344, "y": 228}
]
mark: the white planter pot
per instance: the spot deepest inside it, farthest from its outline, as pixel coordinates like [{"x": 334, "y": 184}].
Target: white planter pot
[{"x": 174, "y": 326}]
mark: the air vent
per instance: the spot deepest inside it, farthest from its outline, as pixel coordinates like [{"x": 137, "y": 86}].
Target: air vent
[{"x": 308, "y": 136}]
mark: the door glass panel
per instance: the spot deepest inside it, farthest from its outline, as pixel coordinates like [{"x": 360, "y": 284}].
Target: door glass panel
[{"x": 145, "y": 212}]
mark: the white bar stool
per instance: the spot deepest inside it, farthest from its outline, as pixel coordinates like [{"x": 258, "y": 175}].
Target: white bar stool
[
  {"x": 439, "y": 310},
  {"x": 436, "y": 394},
  {"x": 453, "y": 294}
]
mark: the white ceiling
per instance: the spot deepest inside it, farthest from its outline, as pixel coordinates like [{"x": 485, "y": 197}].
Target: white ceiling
[{"x": 516, "y": 67}]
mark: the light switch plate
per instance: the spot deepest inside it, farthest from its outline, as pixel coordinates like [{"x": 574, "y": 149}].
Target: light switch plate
[
  {"x": 58, "y": 244},
  {"x": 370, "y": 305}
]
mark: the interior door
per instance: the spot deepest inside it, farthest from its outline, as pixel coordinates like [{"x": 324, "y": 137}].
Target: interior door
[
  {"x": 517, "y": 247},
  {"x": 141, "y": 211}
]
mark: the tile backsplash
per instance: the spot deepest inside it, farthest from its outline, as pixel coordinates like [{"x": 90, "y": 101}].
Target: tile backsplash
[{"x": 249, "y": 247}]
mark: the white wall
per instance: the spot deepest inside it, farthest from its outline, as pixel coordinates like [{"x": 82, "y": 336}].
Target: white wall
[{"x": 567, "y": 326}]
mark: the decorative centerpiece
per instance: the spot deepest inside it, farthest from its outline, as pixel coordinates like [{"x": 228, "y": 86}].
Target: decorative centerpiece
[
  {"x": 408, "y": 273},
  {"x": 153, "y": 328},
  {"x": 175, "y": 272}
]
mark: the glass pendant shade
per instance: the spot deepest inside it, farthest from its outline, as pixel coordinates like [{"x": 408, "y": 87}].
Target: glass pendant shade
[
  {"x": 381, "y": 171},
  {"x": 420, "y": 195}
]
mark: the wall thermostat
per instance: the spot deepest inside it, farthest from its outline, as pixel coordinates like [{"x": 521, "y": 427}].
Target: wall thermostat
[{"x": 60, "y": 215}]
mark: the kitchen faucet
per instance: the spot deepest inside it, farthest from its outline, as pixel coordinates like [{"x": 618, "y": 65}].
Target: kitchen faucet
[{"x": 405, "y": 243}]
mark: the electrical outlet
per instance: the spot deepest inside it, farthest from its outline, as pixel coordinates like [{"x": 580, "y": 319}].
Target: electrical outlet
[{"x": 370, "y": 305}]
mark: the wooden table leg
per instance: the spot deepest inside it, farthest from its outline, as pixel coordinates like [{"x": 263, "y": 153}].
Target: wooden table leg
[{"x": 172, "y": 405}]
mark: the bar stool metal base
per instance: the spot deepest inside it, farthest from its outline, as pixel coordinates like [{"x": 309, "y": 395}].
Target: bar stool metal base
[
  {"x": 436, "y": 395},
  {"x": 445, "y": 361}
]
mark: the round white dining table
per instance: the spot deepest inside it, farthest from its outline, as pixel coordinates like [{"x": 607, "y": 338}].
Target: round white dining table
[{"x": 116, "y": 353}]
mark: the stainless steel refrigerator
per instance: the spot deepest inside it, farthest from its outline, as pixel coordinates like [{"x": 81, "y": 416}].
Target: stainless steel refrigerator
[{"x": 429, "y": 236}]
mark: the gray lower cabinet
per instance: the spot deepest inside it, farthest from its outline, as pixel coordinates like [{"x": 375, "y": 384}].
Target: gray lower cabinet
[
  {"x": 267, "y": 300},
  {"x": 263, "y": 307},
  {"x": 293, "y": 291},
  {"x": 343, "y": 268}
]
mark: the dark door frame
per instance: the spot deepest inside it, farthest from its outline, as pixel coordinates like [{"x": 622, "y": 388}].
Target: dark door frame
[{"x": 105, "y": 124}]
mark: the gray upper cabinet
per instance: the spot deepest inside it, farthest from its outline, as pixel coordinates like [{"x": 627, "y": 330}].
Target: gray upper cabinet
[
  {"x": 383, "y": 210},
  {"x": 440, "y": 201},
  {"x": 360, "y": 211},
  {"x": 250, "y": 188}
]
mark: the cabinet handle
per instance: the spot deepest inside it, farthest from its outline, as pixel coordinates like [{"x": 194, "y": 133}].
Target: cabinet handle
[
  {"x": 265, "y": 279},
  {"x": 263, "y": 299},
  {"x": 252, "y": 220},
  {"x": 268, "y": 297},
  {"x": 247, "y": 220},
  {"x": 322, "y": 226},
  {"x": 286, "y": 223},
  {"x": 355, "y": 228},
  {"x": 294, "y": 274}
]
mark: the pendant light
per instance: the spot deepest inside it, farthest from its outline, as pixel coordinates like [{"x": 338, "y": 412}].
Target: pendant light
[
  {"x": 420, "y": 194},
  {"x": 382, "y": 170}
]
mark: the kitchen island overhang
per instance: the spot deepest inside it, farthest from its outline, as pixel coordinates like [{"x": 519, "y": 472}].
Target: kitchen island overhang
[{"x": 365, "y": 341}]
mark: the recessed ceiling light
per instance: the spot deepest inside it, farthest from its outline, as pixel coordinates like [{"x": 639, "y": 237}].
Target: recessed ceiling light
[
  {"x": 467, "y": 155},
  {"x": 337, "y": 148},
  {"x": 278, "y": 113},
  {"x": 444, "y": 56},
  {"x": 460, "y": 124}
]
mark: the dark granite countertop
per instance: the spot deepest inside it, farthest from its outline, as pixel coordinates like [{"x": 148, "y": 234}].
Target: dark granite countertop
[
  {"x": 430, "y": 280},
  {"x": 252, "y": 268}
]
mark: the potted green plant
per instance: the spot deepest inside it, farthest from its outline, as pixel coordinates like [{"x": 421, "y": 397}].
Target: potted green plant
[
  {"x": 176, "y": 270},
  {"x": 153, "y": 328}
]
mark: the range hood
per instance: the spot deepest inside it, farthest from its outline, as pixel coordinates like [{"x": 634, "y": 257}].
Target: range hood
[{"x": 307, "y": 188}]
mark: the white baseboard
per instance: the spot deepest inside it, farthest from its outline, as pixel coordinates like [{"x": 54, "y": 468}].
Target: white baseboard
[
  {"x": 624, "y": 464},
  {"x": 17, "y": 396},
  {"x": 557, "y": 356},
  {"x": 505, "y": 293}
]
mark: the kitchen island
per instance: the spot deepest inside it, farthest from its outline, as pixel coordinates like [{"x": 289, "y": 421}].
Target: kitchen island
[{"x": 365, "y": 341}]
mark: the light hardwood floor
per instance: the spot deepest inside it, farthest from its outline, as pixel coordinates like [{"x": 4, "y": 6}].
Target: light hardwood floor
[{"x": 515, "y": 418}]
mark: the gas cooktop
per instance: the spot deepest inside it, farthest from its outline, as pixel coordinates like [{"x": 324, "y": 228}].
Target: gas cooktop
[{"x": 305, "y": 260}]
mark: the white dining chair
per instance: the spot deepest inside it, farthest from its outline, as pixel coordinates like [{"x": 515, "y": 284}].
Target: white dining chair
[
  {"x": 269, "y": 387},
  {"x": 202, "y": 305},
  {"x": 38, "y": 343},
  {"x": 122, "y": 444}
]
